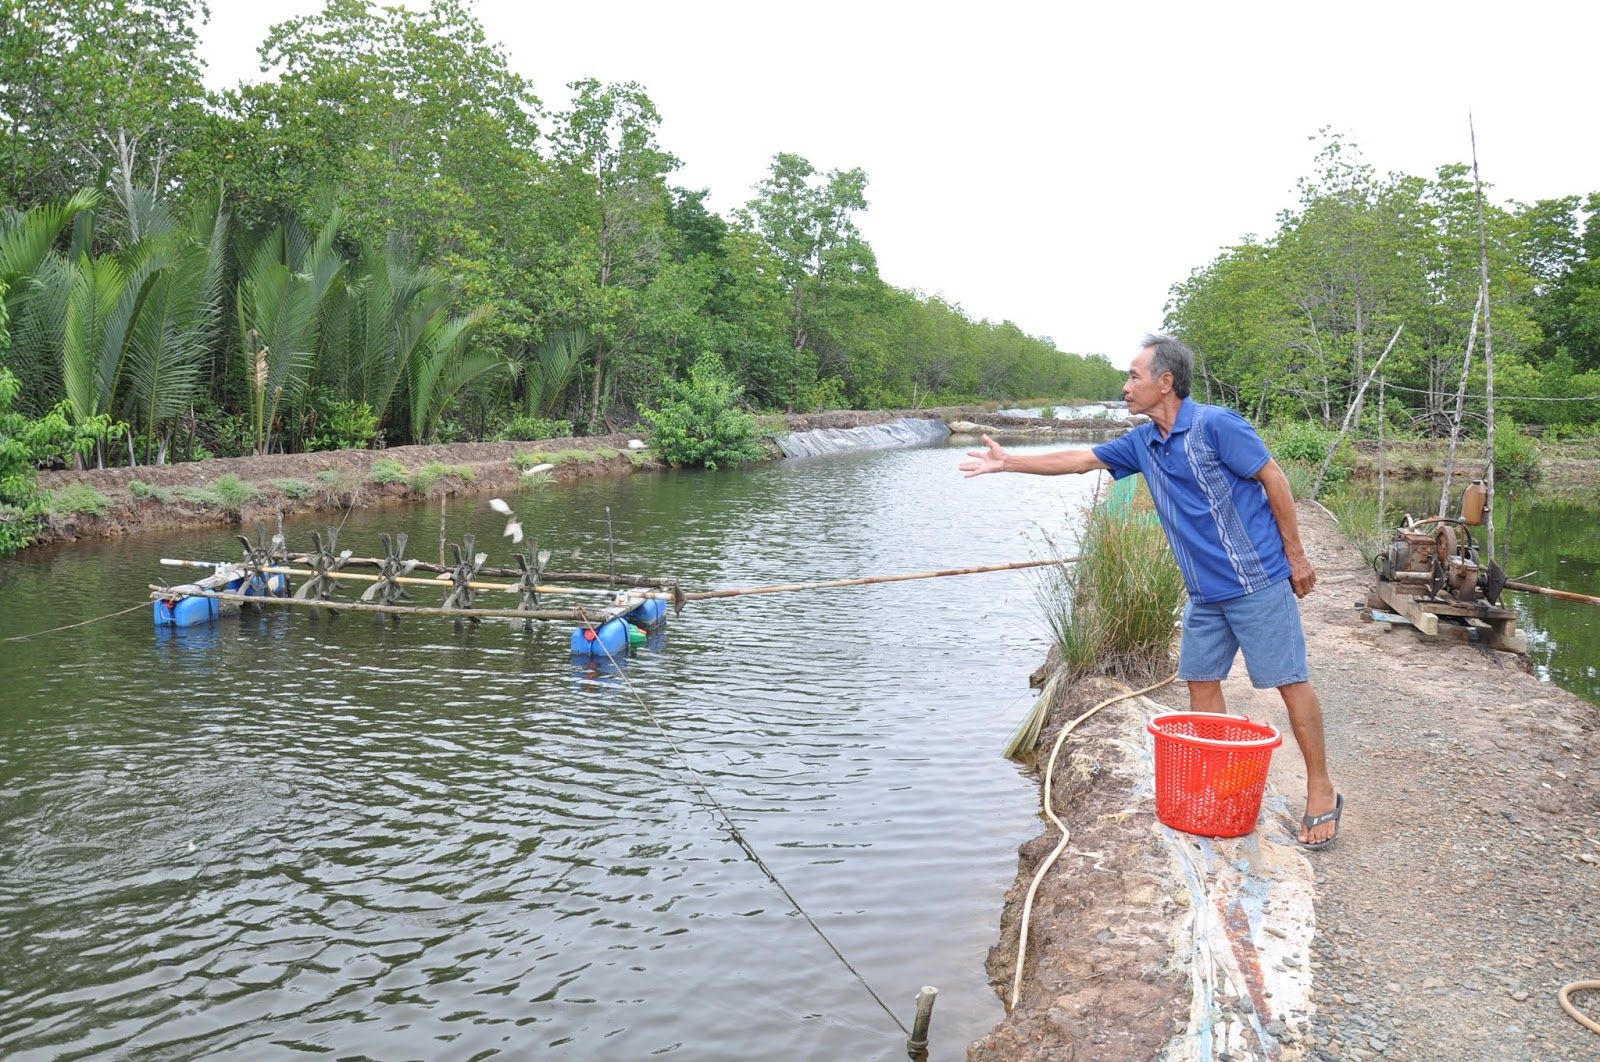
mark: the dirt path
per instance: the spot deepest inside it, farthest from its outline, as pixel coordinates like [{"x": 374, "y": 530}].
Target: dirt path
[{"x": 1463, "y": 893}]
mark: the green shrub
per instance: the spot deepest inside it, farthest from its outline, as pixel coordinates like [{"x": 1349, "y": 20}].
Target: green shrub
[
  {"x": 387, "y": 470},
  {"x": 825, "y": 394},
  {"x": 76, "y": 498},
  {"x": 1048, "y": 412},
  {"x": 1298, "y": 440},
  {"x": 341, "y": 424},
  {"x": 1516, "y": 456},
  {"x": 1308, "y": 443},
  {"x": 1112, "y": 611},
  {"x": 26, "y": 445},
  {"x": 294, "y": 488},
  {"x": 334, "y": 477},
  {"x": 425, "y": 478},
  {"x": 697, "y": 421},
  {"x": 526, "y": 428},
  {"x": 140, "y": 489}
]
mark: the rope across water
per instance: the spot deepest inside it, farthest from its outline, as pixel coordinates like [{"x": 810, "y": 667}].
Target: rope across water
[{"x": 742, "y": 842}]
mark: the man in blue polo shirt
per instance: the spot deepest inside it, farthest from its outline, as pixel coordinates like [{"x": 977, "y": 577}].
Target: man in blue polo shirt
[{"x": 1229, "y": 514}]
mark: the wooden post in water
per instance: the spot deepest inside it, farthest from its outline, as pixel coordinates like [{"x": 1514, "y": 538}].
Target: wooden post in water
[{"x": 917, "y": 1043}]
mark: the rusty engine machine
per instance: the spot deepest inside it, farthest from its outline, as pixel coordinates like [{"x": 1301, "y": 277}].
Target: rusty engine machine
[{"x": 1431, "y": 574}]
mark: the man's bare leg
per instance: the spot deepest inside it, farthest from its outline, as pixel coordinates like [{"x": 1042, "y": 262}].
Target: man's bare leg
[
  {"x": 1206, "y": 697},
  {"x": 1305, "y": 716}
]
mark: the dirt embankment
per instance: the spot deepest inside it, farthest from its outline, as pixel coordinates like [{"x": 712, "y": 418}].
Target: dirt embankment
[
  {"x": 175, "y": 496},
  {"x": 1462, "y": 894}
]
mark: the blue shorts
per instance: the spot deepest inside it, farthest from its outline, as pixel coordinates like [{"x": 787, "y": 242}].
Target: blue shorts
[{"x": 1265, "y": 624}]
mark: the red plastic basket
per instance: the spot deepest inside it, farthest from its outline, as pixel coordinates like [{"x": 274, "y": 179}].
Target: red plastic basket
[{"x": 1211, "y": 771}]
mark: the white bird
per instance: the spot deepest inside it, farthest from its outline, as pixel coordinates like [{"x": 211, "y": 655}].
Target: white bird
[
  {"x": 635, "y": 444},
  {"x": 536, "y": 469},
  {"x": 513, "y": 525}
]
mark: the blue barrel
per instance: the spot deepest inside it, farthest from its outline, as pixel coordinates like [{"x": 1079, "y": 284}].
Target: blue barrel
[
  {"x": 185, "y": 611},
  {"x": 611, "y": 637},
  {"x": 273, "y": 585},
  {"x": 650, "y": 613}
]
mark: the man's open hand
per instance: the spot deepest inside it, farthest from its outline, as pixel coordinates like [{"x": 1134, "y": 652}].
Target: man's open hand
[{"x": 991, "y": 460}]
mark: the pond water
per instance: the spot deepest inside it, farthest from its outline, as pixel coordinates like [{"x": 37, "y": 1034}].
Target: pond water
[
  {"x": 1546, "y": 539},
  {"x": 281, "y": 834}
]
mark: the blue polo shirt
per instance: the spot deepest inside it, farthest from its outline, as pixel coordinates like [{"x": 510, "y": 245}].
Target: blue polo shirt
[{"x": 1214, "y": 512}]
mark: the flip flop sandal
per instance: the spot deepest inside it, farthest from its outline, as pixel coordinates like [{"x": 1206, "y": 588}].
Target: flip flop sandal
[{"x": 1311, "y": 822}]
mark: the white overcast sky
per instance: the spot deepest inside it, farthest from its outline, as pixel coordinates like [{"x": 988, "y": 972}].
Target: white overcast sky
[{"x": 1048, "y": 164}]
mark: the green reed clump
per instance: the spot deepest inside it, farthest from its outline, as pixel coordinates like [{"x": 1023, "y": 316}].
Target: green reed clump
[
  {"x": 1356, "y": 509},
  {"x": 1301, "y": 476},
  {"x": 1112, "y": 611}
]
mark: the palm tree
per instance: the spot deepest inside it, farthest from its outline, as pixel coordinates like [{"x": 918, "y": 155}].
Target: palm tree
[
  {"x": 173, "y": 333},
  {"x": 25, "y": 241},
  {"x": 550, "y": 372},
  {"x": 280, "y": 292},
  {"x": 389, "y": 340},
  {"x": 442, "y": 363}
]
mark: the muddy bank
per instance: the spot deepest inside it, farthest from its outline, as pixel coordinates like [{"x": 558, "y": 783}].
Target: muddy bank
[
  {"x": 1463, "y": 892},
  {"x": 153, "y": 496},
  {"x": 172, "y": 496}
]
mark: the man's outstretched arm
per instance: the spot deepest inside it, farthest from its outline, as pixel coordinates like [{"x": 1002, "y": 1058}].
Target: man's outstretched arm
[{"x": 1054, "y": 463}]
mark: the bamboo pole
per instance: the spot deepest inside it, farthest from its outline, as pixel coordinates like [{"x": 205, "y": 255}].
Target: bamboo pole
[
  {"x": 1381, "y": 382},
  {"x": 1461, "y": 395},
  {"x": 579, "y": 615},
  {"x": 829, "y": 584},
  {"x": 1547, "y": 591},
  {"x": 406, "y": 580},
  {"x": 1488, "y": 348}
]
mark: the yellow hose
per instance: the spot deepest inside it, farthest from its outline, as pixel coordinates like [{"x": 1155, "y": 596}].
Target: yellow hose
[
  {"x": 1049, "y": 773},
  {"x": 1565, "y": 996}
]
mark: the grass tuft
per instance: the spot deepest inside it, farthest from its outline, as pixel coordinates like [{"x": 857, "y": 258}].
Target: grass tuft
[
  {"x": 387, "y": 470},
  {"x": 429, "y": 475},
  {"x": 76, "y": 498},
  {"x": 294, "y": 488},
  {"x": 141, "y": 489},
  {"x": 227, "y": 491}
]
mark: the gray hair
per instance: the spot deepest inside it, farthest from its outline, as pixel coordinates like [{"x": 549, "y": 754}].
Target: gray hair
[{"x": 1170, "y": 356}]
